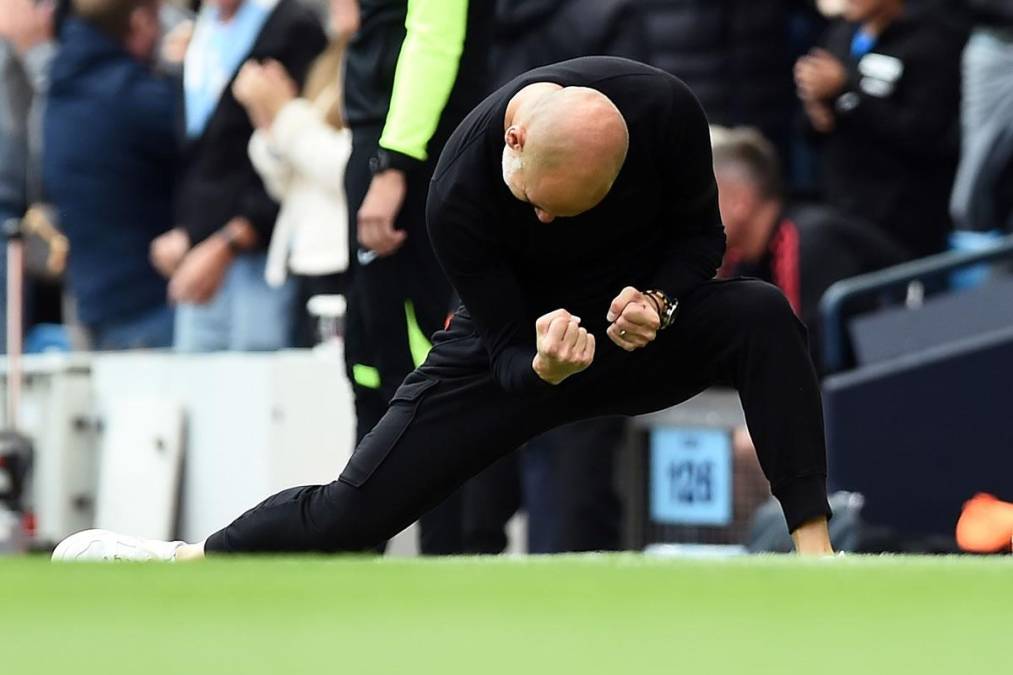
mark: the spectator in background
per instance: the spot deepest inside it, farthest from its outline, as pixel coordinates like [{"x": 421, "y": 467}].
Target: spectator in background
[
  {"x": 26, "y": 49},
  {"x": 300, "y": 150},
  {"x": 801, "y": 251},
  {"x": 414, "y": 70},
  {"x": 113, "y": 186},
  {"x": 736, "y": 56},
  {"x": 532, "y": 33},
  {"x": 883, "y": 96},
  {"x": 215, "y": 256},
  {"x": 983, "y": 193}
]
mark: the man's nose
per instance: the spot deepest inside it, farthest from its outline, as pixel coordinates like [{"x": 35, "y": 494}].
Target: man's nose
[{"x": 544, "y": 216}]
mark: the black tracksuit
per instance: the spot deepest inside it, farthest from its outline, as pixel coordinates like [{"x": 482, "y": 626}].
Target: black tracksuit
[{"x": 476, "y": 398}]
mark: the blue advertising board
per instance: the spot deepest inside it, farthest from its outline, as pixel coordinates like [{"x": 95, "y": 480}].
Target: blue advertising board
[{"x": 691, "y": 476}]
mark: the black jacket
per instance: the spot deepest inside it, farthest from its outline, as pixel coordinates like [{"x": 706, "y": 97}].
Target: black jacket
[
  {"x": 113, "y": 183},
  {"x": 372, "y": 59},
  {"x": 736, "y": 56},
  {"x": 811, "y": 249},
  {"x": 892, "y": 157},
  {"x": 533, "y": 33},
  {"x": 992, "y": 13},
  {"x": 218, "y": 181}
]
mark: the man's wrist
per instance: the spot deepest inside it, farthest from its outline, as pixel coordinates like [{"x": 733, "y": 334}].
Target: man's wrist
[
  {"x": 238, "y": 235},
  {"x": 385, "y": 160},
  {"x": 538, "y": 365},
  {"x": 665, "y": 306},
  {"x": 231, "y": 241}
]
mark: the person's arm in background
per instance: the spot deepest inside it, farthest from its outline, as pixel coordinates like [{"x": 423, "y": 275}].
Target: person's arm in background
[
  {"x": 919, "y": 119},
  {"x": 263, "y": 98},
  {"x": 310, "y": 146},
  {"x": 203, "y": 268},
  {"x": 923, "y": 121},
  {"x": 697, "y": 243},
  {"x": 423, "y": 80},
  {"x": 153, "y": 101},
  {"x": 291, "y": 137},
  {"x": 270, "y": 163},
  {"x": 297, "y": 140},
  {"x": 303, "y": 43}
]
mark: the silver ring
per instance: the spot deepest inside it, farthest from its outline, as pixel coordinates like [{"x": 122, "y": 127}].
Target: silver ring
[{"x": 622, "y": 333}]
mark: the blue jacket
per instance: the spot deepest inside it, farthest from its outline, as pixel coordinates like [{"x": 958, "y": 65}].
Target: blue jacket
[{"x": 109, "y": 166}]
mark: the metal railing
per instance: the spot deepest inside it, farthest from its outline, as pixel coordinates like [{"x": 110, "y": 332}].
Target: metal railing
[{"x": 835, "y": 302}]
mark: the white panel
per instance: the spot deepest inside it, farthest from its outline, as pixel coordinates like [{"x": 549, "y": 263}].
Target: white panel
[
  {"x": 228, "y": 398},
  {"x": 56, "y": 411},
  {"x": 314, "y": 418},
  {"x": 140, "y": 467},
  {"x": 66, "y": 459}
]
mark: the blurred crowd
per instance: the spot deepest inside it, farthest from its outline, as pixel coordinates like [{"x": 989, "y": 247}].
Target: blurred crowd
[{"x": 189, "y": 175}]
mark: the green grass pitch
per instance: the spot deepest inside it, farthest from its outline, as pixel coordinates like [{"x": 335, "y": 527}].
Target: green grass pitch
[{"x": 617, "y": 614}]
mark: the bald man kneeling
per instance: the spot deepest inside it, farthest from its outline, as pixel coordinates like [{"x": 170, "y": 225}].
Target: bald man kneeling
[{"x": 575, "y": 211}]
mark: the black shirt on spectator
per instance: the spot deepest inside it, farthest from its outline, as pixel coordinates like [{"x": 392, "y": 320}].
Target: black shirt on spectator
[{"x": 892, "y": 156}]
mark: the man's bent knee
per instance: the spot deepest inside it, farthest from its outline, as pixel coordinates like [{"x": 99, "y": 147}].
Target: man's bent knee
[{"x": 762, "y": 307}]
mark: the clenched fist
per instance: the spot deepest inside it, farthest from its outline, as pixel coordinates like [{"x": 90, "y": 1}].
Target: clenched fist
[
  {"x": 564, "y": 348},
  {"x": 634, "y": 318}
]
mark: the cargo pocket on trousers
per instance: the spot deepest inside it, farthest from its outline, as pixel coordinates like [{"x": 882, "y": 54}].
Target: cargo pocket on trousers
[{"x": 379, "y": 442}]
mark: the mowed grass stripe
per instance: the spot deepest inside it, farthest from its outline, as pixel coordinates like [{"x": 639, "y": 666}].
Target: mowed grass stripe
[{"x": 568, "y": 614}]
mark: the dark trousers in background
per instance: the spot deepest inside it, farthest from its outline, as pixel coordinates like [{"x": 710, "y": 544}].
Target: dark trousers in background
[
  {"x": 564, "y": 479},
  {"x": 568, "y": 477},
  {"x": 395, "y": 304},
  {"x": 450, "y": 420}
]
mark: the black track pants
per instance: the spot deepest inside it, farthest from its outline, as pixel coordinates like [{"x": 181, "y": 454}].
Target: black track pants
[
  {"x": 449, "y": 420},
  {"x": 392, "y": 301}
]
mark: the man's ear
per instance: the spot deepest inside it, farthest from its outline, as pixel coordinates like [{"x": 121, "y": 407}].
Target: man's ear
[{"x": 514, "y": 138}]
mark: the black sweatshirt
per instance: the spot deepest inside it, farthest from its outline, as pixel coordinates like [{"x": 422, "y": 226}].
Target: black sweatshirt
[{"x": 659, "y": 227}]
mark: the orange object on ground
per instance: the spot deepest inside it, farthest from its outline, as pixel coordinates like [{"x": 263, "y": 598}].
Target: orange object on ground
[{"x": 985, "y": 525}]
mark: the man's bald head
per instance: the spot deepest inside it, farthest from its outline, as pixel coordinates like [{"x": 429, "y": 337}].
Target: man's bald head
[{"x": 564, "y": 148}]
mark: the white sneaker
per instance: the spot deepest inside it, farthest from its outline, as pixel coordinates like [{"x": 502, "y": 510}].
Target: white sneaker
[{"x": 103, "y": 545}]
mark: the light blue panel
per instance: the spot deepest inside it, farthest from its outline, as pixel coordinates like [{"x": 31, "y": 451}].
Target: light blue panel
[{"x": 691, "y": 476}]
